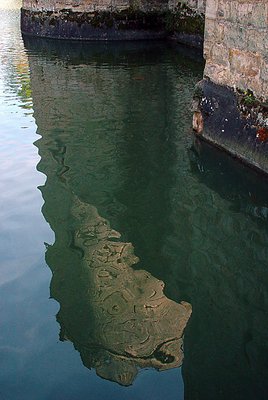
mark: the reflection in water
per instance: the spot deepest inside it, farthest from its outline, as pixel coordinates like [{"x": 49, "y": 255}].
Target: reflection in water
[
  {"x": 14, "y": 67},
  {"x": 234, "y": 182},
  {"x": 226, "y": 352},
  {"x": 114, "y": 134},
  {"x": 117, "y": 318}
]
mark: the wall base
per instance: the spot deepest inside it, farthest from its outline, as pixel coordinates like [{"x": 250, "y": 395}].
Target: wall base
[
  {"x": 108, "y": 25},
  {"x": 99, "y": 25},
  {"x": 235, "y": 122}
]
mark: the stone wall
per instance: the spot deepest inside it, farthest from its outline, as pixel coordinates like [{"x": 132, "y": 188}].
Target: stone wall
[
  {"x": 231, "y": 108},
  {"x": 88, "y": 5},
  {"x": 115, "y": 19},
  {"x": 75, "y": 5},
  {"x": 196, "y": 5},
  {"x": 236, "y": 44}
]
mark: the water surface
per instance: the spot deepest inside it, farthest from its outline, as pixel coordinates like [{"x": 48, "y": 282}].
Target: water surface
[{"x": 118, "y": 231}]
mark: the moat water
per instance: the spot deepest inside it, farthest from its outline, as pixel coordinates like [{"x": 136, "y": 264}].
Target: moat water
[{"x": 133, "y": 259}]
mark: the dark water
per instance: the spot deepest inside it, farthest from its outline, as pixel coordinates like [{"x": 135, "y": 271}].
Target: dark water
[{"x": 127, "y": 204}]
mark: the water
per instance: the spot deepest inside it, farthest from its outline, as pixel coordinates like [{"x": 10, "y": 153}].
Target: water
[{"x": 106, "y": 198}]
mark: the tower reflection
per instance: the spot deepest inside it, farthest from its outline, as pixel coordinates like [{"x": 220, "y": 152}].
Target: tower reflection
[{"x": 116, "y": 316}]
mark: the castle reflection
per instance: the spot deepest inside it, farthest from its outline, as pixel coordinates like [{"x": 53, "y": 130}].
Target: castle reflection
[{"x": 113, "y": 121}]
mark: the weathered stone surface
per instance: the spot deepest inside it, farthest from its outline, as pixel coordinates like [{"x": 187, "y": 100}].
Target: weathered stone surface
[
  {"x": 105, "y": 5},
  {"x": 122, "y": 19},
  {"x": 236, "y": 44},
  {"x": 99, "y": 25},
  {"x": 235, "y": 49},
  {"x": 233, "y": 121}
]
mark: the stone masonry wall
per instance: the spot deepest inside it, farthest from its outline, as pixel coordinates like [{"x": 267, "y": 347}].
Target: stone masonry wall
[
  {"x": 115, "y": 19},
  {"x": 236, "y": 44},
  {"x": 75, "y": 5},
  {"x": 231, "y": 103},
  {"x": 196, "y": 5},
  {"x": 101, "y": 5}
]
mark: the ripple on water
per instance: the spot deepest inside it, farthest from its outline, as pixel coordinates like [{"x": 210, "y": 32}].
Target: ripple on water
[{"x": 115, "y": 133}]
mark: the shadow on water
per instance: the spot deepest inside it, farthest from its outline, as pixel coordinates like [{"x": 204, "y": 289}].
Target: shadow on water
[
  {"x": 246, "y": 189},
  {"x": 226, "y": 342},
  {"x": 114, "y": 147}
]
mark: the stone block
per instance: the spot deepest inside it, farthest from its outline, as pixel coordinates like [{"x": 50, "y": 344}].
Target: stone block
[
  {"x": 234, "y": 11},
  {"x": 220, "y": 54},
  {"x": 239, "y": 27},
  {"x": 207, "y": 50},
  {"x": 218, "y": 73},
  {"x": 265, "y": 90},
  {"x": 244, "y": 62},
  {"x": 212, "y": 9},
  {"x": 235, "y": 36},
  {"x": 224, "y": 10},
  {"x": 257, "y": 40},
  {"x": 242, "y": 13},
  {"x": 259, "y": 15},
  {"x": 264, "y": 72},
  {"x": 219, "y": 32},
  {"x": 254, "y": 84},
  {"x": 210, "y": 29}
]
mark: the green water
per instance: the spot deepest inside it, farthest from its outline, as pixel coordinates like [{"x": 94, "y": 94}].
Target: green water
[{"x": 119, "y": 232}]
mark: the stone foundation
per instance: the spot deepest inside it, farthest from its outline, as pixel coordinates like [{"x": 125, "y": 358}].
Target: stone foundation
[
  {"x": 231, "y": 104},
  {"x": 234, "y": 121},
  {"x": 99, "y": 25},
  {"x": 236, "y": 45},
  {"x": 120, "y": 20}
]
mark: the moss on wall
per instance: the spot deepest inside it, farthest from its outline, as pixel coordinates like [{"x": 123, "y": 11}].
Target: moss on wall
[{"x": 155, "y": 22}]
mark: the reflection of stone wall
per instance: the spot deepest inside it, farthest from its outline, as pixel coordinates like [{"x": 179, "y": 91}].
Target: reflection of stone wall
[
  {"x": 123, "y": 320},
  {"x": 118, "y": 318},
  {"x": 106, "y": 102},
  {"x": 222, "y": 271},
  {"x": 236, "y": 44},
  {"x": 88, "y": 105}
]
